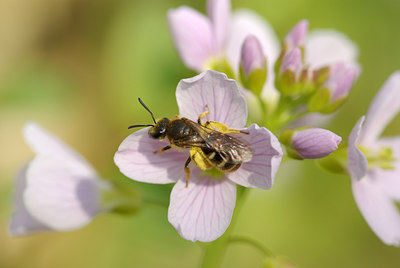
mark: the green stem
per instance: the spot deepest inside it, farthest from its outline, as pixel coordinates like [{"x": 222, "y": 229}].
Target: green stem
[
  {"x": 252, "y": 242},
  {"x": 156, "y": 203},
  {"x": 214, "y": 251},
  {"x": 264, "y": 111}
]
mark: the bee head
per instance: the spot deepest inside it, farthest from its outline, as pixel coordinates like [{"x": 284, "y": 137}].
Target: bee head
[{"x": 159, "y": 130}]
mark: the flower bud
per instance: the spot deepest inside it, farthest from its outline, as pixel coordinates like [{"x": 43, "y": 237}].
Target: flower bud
[
  {"x": 289, "y": 72},
  {"x": 297, "y": 36},
  {"x": 334, "y": 90},
  {"x": 253, "y": 65},
  {"x": 340, "y": 81},
  {"x": 310, "y": 143}
]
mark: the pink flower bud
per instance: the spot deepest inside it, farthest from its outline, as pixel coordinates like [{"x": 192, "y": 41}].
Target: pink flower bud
[
  {"x": 341, "y": 80},
  {"x": 297, "y": 36},
  {"x": 314, "y": 143},
  {"x": 292, "y": 62},
  {"x": 252, "y": 56}
]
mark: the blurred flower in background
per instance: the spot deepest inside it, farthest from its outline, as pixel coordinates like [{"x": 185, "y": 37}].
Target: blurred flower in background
[
  {"x": 58, "y": 190},
  {"x": 374, "y": 168}
]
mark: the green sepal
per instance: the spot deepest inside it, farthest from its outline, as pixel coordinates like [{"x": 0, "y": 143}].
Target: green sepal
[
  {"x": 286, "y": 136},
  {"x": 336, "y": 162},
  {"x": 255, "y": 81},
  {"x": 319, "y": 100},
  {"x": 322, "y": 75},
  {"x": 223, "y": 66},
  {"x": 287, "y": 85},
  {"x": 292, "y": 153},
  {"x": 333, "y": 106},
  {"x": 306, "y": 82}
]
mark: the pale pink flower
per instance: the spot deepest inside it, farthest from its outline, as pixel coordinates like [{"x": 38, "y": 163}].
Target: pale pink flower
[
  {"x": 377, "y": 190},
  {"x": 198, "y": 43},
  {"x": 203, "y": 210},
  {"x": 200, "y": 40},
  {"x": 58, "y": 190}
]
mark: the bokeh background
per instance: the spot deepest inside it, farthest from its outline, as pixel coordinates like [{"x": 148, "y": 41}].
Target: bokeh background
[{"x": 78, "y": 66}]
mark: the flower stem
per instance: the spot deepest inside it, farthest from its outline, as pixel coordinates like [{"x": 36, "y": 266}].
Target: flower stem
[
  {"x": 252, "y": 242},
  {"x": 214, "y": 252}
]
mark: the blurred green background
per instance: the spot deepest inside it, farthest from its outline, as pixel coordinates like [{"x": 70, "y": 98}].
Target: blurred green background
[{"x": 78, "y": 66}]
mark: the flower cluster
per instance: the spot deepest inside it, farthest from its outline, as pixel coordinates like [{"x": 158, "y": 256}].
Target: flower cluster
[{"x": 207, "y": 150}]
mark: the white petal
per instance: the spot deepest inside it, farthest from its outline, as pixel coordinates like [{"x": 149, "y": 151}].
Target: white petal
[
  {"x": 324, "y": 47},
  {"x": 389, "y": 179},
  {"x": 203, "y": 210},
  {"x": 379, "y": 211},
  {"x": 192, "y": 36},
  {"x": 136, "y": 159},
  {"x": 382, "y": 110},
  {"x": 244, "y": 23},
  {"x": 57, "y": 197},
  {"x": 44, "y": 143},
  {"x": 225, "y": 102},
  {"x": 357, "y": 162},
  {"x": 261, "y": 170},
  {"x": 219, "y": 12},
  {"x": 22, "y": 222}
]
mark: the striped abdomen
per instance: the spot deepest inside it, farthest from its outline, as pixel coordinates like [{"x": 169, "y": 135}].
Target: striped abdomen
[{"x": 223, "y": 163}]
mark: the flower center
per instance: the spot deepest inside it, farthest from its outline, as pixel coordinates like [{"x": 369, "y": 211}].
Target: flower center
[
  {"x": 220, "y": 65},
  {"x": 213, "y": 172},
  {"x": 382, "y": 158},
  {"x": 223, "y": 153}
]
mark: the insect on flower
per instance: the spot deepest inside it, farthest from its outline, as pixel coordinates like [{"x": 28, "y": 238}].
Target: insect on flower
[{"x": 210, "y": 145}]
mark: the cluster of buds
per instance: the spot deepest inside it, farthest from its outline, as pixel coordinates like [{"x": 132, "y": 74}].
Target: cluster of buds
[{"x": 322, "y": 88}]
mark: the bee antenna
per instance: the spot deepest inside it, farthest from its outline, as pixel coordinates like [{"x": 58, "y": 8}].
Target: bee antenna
[
  {"x": 140, "y": 126},
  {"x": 152, "y": 116}
]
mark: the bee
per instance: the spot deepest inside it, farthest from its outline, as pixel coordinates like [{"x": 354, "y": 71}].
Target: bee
[{"x": 209, "y": 144}]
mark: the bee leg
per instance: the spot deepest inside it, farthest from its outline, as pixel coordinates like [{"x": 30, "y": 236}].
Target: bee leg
[
  {"x": 231, "y": 130},
  {"x": 187, "y": 170},
  {"x": 203, "y": 114},
  {"x": 162, "y": 150}
]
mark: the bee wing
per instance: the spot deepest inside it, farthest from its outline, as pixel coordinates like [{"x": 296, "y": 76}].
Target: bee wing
[{"x": 231, "y": 149}]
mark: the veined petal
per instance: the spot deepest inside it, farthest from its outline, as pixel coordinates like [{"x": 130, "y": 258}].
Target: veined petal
[
  {"x": 219, "y": 13},
  {"x": 22, "y": 222},
  {"x": 356, "y": 160},
  {"x": 261, "y": 170},
  {"x": 324, "y": 47},
  {"x": 225, "y": 102},
  {"x": 389, "y": 179},
  {"x": 57, "y": 197},
  {"x": 203, "y": 210},
  {"x": 136, "y": 159},
  {"x": 43, "y": 142},
  {"x": 314, "y": 143},
  {"x": 245, "y": 23},
  {"x": 192, "y": 35},
  {"x": 379, "y": 211},
  {"x": 382, "y": 110}
]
